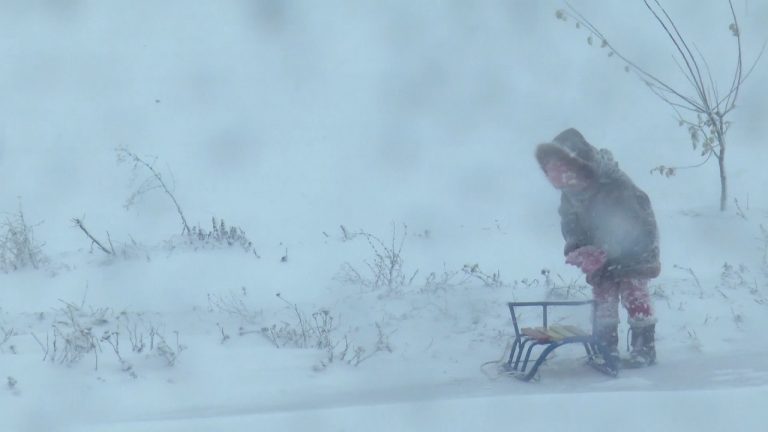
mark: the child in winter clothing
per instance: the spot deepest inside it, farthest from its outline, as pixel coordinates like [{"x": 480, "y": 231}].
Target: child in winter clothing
[{"x": 611, "y": 235}]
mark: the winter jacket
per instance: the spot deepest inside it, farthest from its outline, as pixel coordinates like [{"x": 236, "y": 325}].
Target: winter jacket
[{"x": 610, "y": 213}]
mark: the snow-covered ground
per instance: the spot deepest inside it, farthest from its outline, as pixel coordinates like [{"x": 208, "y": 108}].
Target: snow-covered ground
[{"x": 334, "y": 136}]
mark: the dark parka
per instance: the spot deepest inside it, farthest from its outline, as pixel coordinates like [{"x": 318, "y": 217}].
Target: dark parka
[{"x": 610, "y": 213}]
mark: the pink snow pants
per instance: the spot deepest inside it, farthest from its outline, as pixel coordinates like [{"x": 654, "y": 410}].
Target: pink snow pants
[{"x": 634, "y": 297}]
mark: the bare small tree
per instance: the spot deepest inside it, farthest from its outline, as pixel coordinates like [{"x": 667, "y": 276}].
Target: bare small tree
[{"x": 705, "y": 110}]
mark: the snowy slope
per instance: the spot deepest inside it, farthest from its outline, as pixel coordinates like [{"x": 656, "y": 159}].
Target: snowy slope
[{"x": 412, "y": 122}]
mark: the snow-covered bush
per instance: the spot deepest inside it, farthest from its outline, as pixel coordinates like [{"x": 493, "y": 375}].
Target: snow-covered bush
[
  {"x": 736, "y": 277},
  {"x": 235, "y": 304},
  {"x": 18, "y": 247},
  {"x": 385, "y": 269},
  {"x": 320, "y": 331},
  {"x": 296, "y": 328},
  {"x": 73, "y": 337},
  {"x": 312, "y": 331},
  {"x": 78, "y": 332},
  {"x": 219, "y": 236},
  {"x": 440, "y": 282},
  {"x": 492, "y": 280},
  {"x": 557, "y": 288}
]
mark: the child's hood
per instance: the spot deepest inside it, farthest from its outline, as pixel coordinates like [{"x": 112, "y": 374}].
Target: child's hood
[{"x": 571, "y": 147}]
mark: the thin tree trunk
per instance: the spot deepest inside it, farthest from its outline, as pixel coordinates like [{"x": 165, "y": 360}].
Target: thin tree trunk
[{"x": 723, "y": 178}]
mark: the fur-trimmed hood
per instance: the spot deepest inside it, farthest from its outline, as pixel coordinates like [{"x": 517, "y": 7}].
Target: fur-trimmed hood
[{"x": 571, "y": 147}]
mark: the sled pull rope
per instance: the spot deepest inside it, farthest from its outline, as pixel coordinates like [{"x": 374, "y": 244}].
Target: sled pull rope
[{"x": 500, "y": 361}]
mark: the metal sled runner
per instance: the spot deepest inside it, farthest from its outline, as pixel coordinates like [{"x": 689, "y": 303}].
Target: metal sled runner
[{"x": 550, "y": 337}]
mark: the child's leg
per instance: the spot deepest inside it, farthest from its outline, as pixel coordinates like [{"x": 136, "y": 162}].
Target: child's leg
[
  {"x": 606, "y": 295},
  {"x": 637, "y": 301}
]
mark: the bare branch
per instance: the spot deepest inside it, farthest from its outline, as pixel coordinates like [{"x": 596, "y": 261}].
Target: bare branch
[
  {"x": 689, "y": 58},
  {"x": 737, "y": 75},
  {"x": 730, "y": 106},
  {"x": 712, "y": 84},
  {"x": 79, "y": 223},
  {"x": 160, "y": 183},
  {"x": 645, "y": 76}
]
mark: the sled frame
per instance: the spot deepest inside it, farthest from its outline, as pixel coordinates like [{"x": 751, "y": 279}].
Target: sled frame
[{"x": 550, "y": 337}]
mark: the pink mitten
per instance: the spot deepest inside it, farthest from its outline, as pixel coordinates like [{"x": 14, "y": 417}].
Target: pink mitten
[{"x": 587, "y": 258}]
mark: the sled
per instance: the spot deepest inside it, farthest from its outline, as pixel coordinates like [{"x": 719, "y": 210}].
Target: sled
[{"x": 548, "y": 337}]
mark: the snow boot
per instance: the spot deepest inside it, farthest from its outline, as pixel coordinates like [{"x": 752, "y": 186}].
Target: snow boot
[
  {"x": 643, "y": 347},
  {"x": 607, "y": 342}
]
